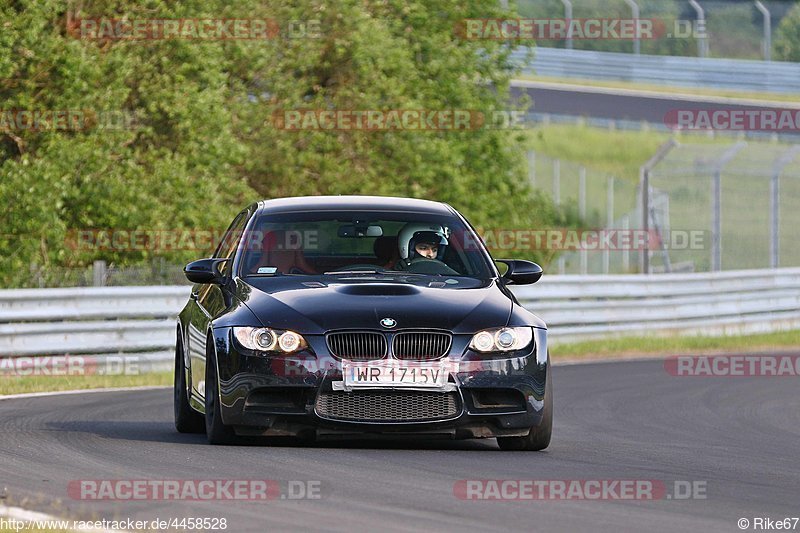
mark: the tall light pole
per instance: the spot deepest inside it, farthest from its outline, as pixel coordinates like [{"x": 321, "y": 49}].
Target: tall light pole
[
  {"x": 767, "y": 43},
  {"x": 637, "y": 41},
  {"x": 702, "y": 42},
  {"x": 568, "y": 16}
]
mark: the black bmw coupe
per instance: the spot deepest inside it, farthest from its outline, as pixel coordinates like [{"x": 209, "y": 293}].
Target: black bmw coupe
[{"x": 356, "y": 314}]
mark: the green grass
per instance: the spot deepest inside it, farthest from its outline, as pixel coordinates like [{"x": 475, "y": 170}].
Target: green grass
[
  {"x": 630, "y": 346},
  {"x": 745, "y": 202},
  {"x": 745, "y": 193},
  {"x": 22, "y": 385},
  {"x": 689, "y": 91},
  {"x": 616, "y": 153}
]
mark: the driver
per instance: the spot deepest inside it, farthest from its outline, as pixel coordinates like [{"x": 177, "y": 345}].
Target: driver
[
  {"x": 427, "y": 248},
  {"x": 425, "y": 242}
]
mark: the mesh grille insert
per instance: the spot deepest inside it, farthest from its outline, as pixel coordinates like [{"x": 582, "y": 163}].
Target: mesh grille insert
[{"x": 387, "y": 406}]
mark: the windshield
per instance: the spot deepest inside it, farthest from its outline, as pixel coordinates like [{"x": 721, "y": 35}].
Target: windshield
[{"x": 387, "y": 245}]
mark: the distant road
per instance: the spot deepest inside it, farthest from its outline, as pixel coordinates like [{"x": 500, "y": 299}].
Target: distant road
[
  {"x": 737, "y": 438},
  {"x": 625, "y": 104}
]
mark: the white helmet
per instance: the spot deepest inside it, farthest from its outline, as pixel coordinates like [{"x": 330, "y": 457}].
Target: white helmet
[{"x": 406, "y": 234}]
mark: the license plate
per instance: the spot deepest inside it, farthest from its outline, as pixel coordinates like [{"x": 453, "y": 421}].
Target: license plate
[{"x": 394, "y": 374}]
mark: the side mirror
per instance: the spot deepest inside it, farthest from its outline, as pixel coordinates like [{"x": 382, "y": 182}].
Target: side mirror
[
  {"x": 204, "y": 271},
  {"x": 521, "y": 272}
]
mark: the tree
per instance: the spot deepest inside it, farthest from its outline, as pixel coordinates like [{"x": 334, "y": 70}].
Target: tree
[
  {"x": 389, "y": 55},
  {"x": 787, "y": 36},
  {"x": 179, "y": 145},
  {"x": 200, "y": 140}
]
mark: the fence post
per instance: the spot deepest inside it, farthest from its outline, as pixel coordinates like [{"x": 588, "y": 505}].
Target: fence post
[
  {"x": 532, "y": 168},
  {"x": 774, "y": 209},
  {"x": 609, "y": 221},
  {"x": 644, "y": 184},
  {"x": 99, "y": 273},
  {"x": 716, "y": 221},
  {"x": 702, "y": 39},
  {"x": 584, "y": 254},
  {"x": 775, "y": 206},
  {"x": 562, "y": 262},
  {"x": 637, "y": 41},
  {"x": 716, "y": 205},
  {"x": 36, "y": 276},
  {"x": 626, "y": 253},
  {"x": 568, "y": 16},
  {"x": 557, "y": 182},
  {"x": 766, "y": 44}
]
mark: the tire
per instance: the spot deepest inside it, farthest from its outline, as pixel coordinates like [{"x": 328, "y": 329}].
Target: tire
[
  {"x": 216, "y": 431},
  {"x": 539, "y": 436},
  {"x": 187, "y": 420}
]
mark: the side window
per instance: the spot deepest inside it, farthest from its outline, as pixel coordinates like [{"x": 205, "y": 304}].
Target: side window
[{"x": 230, "y": 241}]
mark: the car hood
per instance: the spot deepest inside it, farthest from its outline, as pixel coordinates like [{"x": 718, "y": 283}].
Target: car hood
[{"x": 317, "y": 307}]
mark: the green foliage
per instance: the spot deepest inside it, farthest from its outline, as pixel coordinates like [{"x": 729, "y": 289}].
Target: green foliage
[
  {"x": 787, "y": 38},
  {"x": 181, "y": 142},
  {"x": 202, "y": 143}
]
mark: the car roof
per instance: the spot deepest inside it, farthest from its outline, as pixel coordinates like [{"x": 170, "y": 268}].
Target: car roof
[{"x": 353, "y": 203}]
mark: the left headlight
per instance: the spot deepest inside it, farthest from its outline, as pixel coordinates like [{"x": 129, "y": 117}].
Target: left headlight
[
  {"x": 269, "y": 340},
  {"x": 501, "y": 339}
]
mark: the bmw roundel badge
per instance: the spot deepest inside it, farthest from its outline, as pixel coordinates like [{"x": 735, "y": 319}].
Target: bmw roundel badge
[{"x": 388, "y": 322}]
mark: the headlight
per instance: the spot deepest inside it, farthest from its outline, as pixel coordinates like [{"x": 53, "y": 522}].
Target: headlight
[
  {"x": 501, "y": 339},
  {"x": 289, "y": 341},
  {"x": 269, "y": 340}
]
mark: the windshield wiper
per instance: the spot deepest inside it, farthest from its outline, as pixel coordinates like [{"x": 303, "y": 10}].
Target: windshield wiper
[
  {"x": 352, "y": 272},
  {"x": 373, "y": 272}
]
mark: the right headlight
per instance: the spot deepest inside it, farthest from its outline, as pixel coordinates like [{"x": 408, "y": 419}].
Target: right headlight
[
  {"x": 269, "y": 340},
  {"x": 506, "y": 339}
]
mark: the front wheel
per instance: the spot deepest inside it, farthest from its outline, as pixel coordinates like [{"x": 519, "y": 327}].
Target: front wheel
[
  {"x": 539, "y": 436},
  {"x": 216, "y": 431},
  {"x": 187, "y": 420}
]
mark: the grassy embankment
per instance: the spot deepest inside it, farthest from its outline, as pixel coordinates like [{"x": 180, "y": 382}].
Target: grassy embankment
[{"x": 620, "y": 154}]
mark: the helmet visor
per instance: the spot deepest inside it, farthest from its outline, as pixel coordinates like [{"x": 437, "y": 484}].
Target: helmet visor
[{"x": 429, "y": 237}]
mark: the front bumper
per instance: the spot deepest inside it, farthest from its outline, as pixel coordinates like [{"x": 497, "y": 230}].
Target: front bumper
[{"x": 294, "y": 396}]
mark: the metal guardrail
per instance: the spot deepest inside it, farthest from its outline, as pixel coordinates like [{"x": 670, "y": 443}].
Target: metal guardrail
[
  {"x": 723, "y": 303},
  {"x": 97, "y": 321},
  {"x": 731, "y": 74},
  {"x": 140, "y": 321}
]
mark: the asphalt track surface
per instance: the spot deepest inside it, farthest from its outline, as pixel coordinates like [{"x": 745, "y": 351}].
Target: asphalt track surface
[
  {"x": 631, "y": 420},
  {"x": 624, "y": 105}
]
